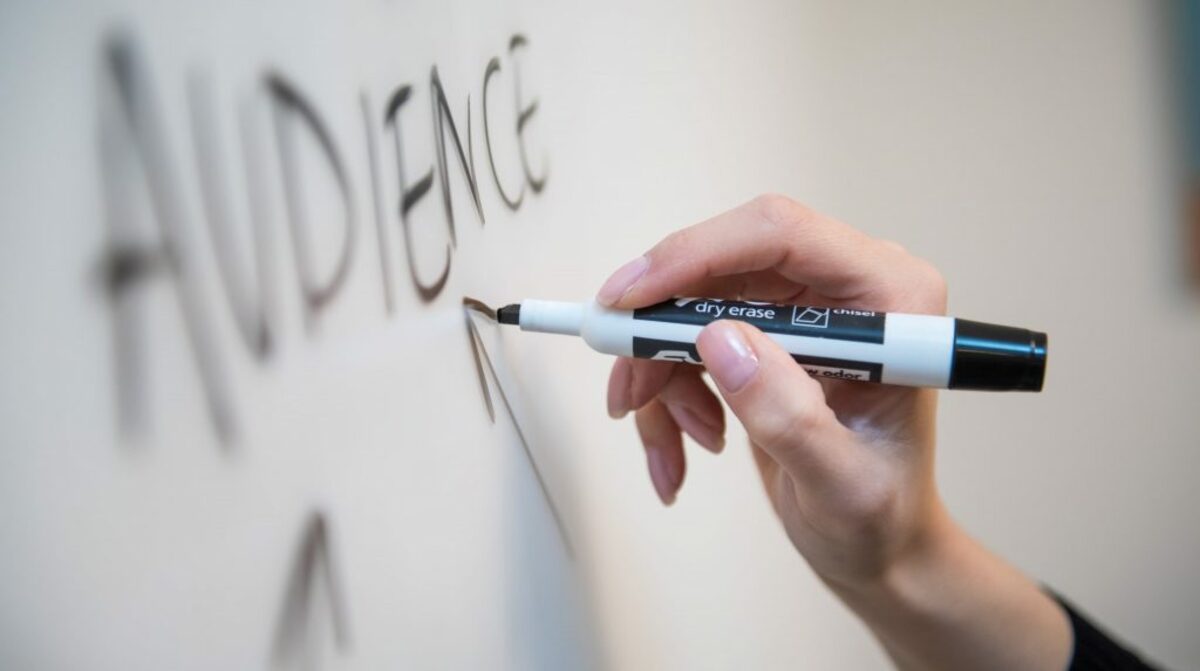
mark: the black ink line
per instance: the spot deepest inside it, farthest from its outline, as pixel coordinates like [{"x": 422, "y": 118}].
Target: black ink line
[
  {"x": 131, "y": 131},
  {"x": 287, "y": 97},
  {"x": 442, "y": 116},
  {"x": 260, "y": 214},
  {"x": 482, "y": 361},
  {"x": 472, "y": 336},
  {"x": 524, "y": 115},
  {"x": 121, "y": 269},
  {"x": 409, "y": 198},
  {"x": 247, "y": 306},
  {"x": 385, "y": 263},
  {"x": 480, "y": 307},
  {"x": 314, "y": 561},
  {"x": 513, "y": 204}
]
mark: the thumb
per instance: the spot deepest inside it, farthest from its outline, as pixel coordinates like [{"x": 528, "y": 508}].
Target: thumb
[{"x": 781, "y": 406}]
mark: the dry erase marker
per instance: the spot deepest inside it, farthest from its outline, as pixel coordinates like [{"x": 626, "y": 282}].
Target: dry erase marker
[{"x": 840, "y": 343}]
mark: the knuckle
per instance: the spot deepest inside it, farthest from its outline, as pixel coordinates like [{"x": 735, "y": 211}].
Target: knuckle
[
  {"x": 933, "y": 283},
  {"x": 870, "y": 507},
  {"x": 779, "y": 210},
  {"x": 664, "y": 246},
  {"x": 648, "y": 381},
  {"x": 866, "y": 512},
  {"x": 676, "y": 244},
  {"x": 924, "y": 287},
  {"x": 676, "y": 237},
  {"x": 643, "y": 419},
  {"x": 780, "y": 430}
]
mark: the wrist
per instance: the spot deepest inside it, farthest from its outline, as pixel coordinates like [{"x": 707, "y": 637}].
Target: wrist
[
  {"x": 946, "y": 602},
  {"x": 914, "y": 577}
]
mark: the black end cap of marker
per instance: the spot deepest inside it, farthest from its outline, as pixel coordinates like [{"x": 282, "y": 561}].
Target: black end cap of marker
[
  {"x": 509, "y": 314},
  {"x": 989, "y": 357}
]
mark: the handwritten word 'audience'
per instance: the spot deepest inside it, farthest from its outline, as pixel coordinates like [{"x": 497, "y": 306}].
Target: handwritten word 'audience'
[{"x": 152, "y": 234}]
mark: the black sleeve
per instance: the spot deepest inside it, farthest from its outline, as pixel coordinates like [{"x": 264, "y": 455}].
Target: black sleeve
[{"x": 1094, "y": 650}]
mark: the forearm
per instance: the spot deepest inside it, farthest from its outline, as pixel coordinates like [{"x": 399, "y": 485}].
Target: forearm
[{"x": 948, "y": 604}]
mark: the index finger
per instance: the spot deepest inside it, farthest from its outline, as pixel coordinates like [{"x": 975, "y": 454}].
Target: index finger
[{"x": 767, "y": 233}]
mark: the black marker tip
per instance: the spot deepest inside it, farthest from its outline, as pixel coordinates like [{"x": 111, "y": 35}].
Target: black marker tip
[{"x": 509, "y": 314}]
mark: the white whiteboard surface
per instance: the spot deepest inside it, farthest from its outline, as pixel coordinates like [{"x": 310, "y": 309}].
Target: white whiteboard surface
[{"x": 355, "y": 505}]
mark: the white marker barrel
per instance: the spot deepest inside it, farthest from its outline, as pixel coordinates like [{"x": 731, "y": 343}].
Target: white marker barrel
[{"x": 837, "y": 343}]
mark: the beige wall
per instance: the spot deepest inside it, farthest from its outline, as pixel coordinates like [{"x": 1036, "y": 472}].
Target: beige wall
[{"x": 1023, "y": 147}]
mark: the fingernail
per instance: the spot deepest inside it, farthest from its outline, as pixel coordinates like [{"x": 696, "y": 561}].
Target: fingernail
[
  {"x": 665, "y": 483},
  {"x": 707, "y": 435},
  {"x": 620, "y": 282},
  {"x": 728, "y": 356}
]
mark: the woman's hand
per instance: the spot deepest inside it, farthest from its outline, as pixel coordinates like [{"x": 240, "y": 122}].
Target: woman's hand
[{"x": 847, "y": 466}]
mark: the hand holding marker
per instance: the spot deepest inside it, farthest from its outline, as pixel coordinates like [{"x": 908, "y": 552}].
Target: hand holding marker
[
  {"x": 837, "y": 343},
  {"x": 848, "y": 468}
]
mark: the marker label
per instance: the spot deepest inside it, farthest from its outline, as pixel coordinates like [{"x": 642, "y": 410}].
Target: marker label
[
  {"x": 817, "y": 366},
  {"x": 912, "y": 350},
  {"x": 665, "y": 350},
  {"x": 813, "y": 322},
  {"x": 840, "y": 369}
]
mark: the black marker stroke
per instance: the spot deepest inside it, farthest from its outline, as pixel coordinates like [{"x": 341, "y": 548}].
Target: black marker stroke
[
  {"x": 136, "y": 166},
  {"x": 524, "y": 115},
  {"x": 289, "y": 101},
  {"x": 513, "y": 204},
  {"x": 385, "y": 263},
  {"x": 479, "y": 307},
  {"x": 442, "y": 117},
  {"x": 484, "y": 363},
  {"x": 293, "y": 646},
  {"x": 122, "y": 268},
  {"x": 409, "y": 198},
  {"x": 249, "y": 306},
  {"x": 131, "y": 134}
]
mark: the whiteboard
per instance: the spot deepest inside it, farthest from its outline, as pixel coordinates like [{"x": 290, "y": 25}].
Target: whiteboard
[
  {"x": 250, "y": 420},
  {"x": 253, "y": 420}
]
